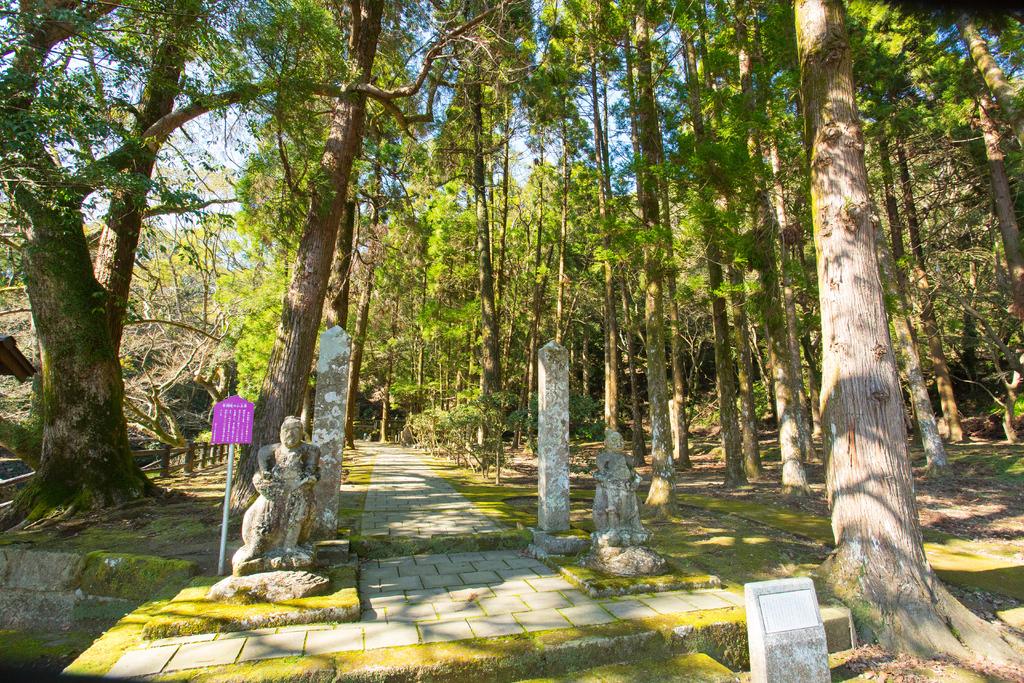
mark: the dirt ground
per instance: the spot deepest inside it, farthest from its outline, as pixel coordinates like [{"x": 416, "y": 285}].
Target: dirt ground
[{"x": 980, "y": 498}]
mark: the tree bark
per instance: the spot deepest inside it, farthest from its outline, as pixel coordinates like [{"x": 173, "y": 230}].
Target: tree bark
[
  {"x": 115, "y": 256},
  {"x": 745, "y": 380},
  {"x": 563, "y": 234},
  {"x": 660, "y": 495},
  {"x": 85, "y": 459},
  {"x": 637, "y": 435},
  {"x": 725, "y": 371},
  {"x": 995, "y": 79},
  {"x": 937, "y": 355},
  {"x": 358, "y": 345},
  {"x": 490, "y": 379},
  {"x": 1002, "y": 199},
  {"x": 879, "y": 562},
  {"x": 792, "y": 327},
  {"x": 909, "y": 359},
  {"x": 292, "y": 354},
  {"x": 341, "y": 269},
  {"x": 611, "y": 331}
]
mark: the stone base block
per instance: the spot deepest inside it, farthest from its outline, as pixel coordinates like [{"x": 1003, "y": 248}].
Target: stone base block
[
  {"x": 291, "y": 560},
  {"x": 559, "y": 545},
  {"x": 269, "y": 587},
  {"x": 631, "y": 561},
  {"x": 331, "y": 553}
]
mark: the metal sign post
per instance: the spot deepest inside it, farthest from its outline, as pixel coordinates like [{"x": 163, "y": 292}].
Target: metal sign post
[{"x": 232, "y": 424}]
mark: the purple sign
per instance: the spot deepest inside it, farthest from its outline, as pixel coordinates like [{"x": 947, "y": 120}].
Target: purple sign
[{"x": 232, "y": 421}]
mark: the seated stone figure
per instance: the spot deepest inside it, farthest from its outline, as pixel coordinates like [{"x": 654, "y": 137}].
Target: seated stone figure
[
  {"x": 276, "y": 527},
  {"x": 616, "y": 513},
  {"x": 617, "y": 544}
]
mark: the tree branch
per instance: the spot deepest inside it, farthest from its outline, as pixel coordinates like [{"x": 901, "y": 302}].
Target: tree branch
[{"x": 175, "y": 323}]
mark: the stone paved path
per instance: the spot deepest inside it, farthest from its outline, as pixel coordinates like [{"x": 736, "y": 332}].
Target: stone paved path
[
  {"x": 407, "y": 498},
  {"x": 485, "y": 594},
  {"x": 425, "y": 598}
]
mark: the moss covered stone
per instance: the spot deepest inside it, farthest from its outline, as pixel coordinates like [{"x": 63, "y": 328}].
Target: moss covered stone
[
  {"x": 511, "y": 658},
  {"x": 376, "y": 547},
  {"x": 191, "y": 612},
  {"x": 600, "y": 585},
  {"x": 132, "y": 577},
  {"x": 690, "y": 668}
]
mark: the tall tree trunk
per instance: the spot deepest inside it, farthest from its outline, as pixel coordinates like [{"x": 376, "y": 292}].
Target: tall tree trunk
[
  {"x": 115, "y": 256},
  {"x": 611, "y": 331},
  {"x": 745, "y": 380},
  {"x": 792, "y": 328},
  {"x": 660, "y": 495},
  {"x": 638, "y": 440},
  {"x": 341, "y": 269},
  {"x": 490, "y": 378},
  {"x": 943, "y": 379},
  {"x": 998, "y": 84},
  {"x": 725, "y": 370},
  {"x": 879, "y": 562},
  {"x": 1002, "y": 199},
  {"x": 909, "y": 359},
  {"x": 85, "y": 459},
  {"x": 358, "y": 345},
  {"x": 563, "y": 233},
  {"x": 292, "y": 354}
]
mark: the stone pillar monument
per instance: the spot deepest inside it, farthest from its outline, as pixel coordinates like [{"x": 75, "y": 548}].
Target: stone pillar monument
[
  {"x": 553, "y": 438},
  {"x": 329, "y": 411}
]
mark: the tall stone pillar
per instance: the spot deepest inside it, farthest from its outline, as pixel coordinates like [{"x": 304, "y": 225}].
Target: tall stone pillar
[
  {"x": 329, "y": 426},
  {"x": 553, "y": 438}
]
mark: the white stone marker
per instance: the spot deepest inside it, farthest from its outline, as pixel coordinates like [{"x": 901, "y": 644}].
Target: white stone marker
[
  {"x": 329, "y": 426},
  {"x": 553, "y": 438},
  {"x": 785, "y": 632}
]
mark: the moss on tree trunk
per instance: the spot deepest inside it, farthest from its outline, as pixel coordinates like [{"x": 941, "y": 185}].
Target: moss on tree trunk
[{"x": 85, "y": 459}]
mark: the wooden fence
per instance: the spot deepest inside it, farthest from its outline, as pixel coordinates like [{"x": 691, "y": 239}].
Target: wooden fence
[{"x": 164, "y": 461}]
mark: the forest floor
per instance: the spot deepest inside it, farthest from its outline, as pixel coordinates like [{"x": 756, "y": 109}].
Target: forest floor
[{"x": 744, "y": 534}]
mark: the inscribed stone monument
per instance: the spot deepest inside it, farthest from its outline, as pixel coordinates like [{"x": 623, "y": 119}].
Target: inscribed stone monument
[
  {"x": 276, "y": 528},
  {"x": 618, "y": 542},
  {"x": 553, "y": 438},
  {"x": 785, "y": 632},
  {"x": 329, "y": 412}
]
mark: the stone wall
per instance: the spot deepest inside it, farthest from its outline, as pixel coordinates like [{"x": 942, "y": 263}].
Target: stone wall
[{"x": 49, "y": 589}]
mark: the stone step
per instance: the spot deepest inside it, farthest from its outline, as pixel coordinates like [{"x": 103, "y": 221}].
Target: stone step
[
  {"x": 331, "y": 553},
  {"x": 689, "y": 668}
]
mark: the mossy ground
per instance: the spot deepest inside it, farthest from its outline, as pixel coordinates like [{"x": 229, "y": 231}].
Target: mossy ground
[
  {"x": 43, "y": 650},
  {"x": 600, "y": 585},
  {"x": 132, "y": 577},
  {"x": 690, "y": 668},
  {"x": 190, "y": 611},
  {"x": 955, "y": 560}
]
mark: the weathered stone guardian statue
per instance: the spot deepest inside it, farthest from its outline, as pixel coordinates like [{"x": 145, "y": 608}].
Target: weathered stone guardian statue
[
  {"x": 276, "y": 528},
  {"x": 617, "y": 544}
]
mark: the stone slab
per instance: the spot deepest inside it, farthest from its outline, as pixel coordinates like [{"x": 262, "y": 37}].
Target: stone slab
[
  {"x": 142, "y": 662},
  {"x": 346, "y": 638},
  {"x": 390, "y": 635},
  {"x": 214, "y": 653},
  {"x": 274, "y": 645},
  {"x": 542, "y": 620},
  {"x": 445, "y": 631},
  {"x": 585, "y": 615},
  {"x": 499, "y": 625}
]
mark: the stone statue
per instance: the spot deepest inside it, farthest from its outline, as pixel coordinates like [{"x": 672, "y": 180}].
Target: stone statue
[
  {"x": 617, "y": 544},
  {"x": 277, "y": 526}
]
